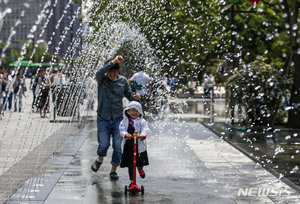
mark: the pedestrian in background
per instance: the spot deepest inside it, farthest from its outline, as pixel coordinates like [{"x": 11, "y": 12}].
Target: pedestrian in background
[
  {"x": 19, "y": 90},
  {"x": 3, "y": 83},
  {"x": 8, "y": 91},
  {"x": 36, "y": 89},
  {"x": 143, "y": 80},
  {"x": 173, "y": 83},
  {"x": 192, "y": 86},
  {"x": 44, "y": 84},
  {"x": 211, "y": 85},
  {"x": 57, "y": 86},
  {"x": 207, "y": 85},
  {"x": 112, "y": 87}
]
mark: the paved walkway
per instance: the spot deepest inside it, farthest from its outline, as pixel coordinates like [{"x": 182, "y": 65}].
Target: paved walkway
[
  {"x": 188, "y": 164},
  {"x": 26, "y": 143}
]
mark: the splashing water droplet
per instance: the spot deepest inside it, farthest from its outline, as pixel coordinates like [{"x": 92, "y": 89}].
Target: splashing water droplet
[
  {"x": 288, "y": 137},
  {"x": 278, "y": 150},
  {"x": 296, "y": 168},
  {"x": 289, "y": 108}
]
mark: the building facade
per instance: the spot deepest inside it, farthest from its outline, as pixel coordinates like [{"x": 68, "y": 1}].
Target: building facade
[{"x": 53, "y": 22}]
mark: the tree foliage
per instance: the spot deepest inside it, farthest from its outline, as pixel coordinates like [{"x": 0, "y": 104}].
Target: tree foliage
[
  {"x": 40, "y": 55},
  {"x": 260, "y": 89},
  {"x": 191, "y": 37}
]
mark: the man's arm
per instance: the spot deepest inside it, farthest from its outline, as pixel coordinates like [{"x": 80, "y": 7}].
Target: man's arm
[
  {"x": 101, "y": 72},
  {"x": 129, "y": 94}
]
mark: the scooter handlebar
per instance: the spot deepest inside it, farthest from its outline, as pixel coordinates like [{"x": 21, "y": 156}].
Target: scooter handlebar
[
  {"x": 138, "y": 136},
  {"x": 142, "y": 136}
]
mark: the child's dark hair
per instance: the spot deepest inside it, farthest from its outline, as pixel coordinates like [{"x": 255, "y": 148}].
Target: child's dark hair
[{"x": 115, "y": 67}]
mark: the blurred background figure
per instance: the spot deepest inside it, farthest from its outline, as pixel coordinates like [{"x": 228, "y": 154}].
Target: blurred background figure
[
  {"x": 19, "y": 91},
  {"x": 208, "y": 85},
  {"x": 192, "y": 86},
  {"x": 173, "y": 83},
  {"x": 3, "y": 83},
  {"x": 8, "y": 91},
  {"x": 143, "y": 81}
]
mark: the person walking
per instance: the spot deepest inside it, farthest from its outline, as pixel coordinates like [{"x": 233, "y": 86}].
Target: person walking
[
  {"x": 33, "y": 84},
  {"x": 19, "y": 91},
  {"x": 8, "y": 91},
  {"x": 112, "y": 87},
  {"x": 3, "y": 83},
  {"x": 143, "y": 80},
  {"x": 44, "y": 84},
  {"x": 57, "y": 87}
]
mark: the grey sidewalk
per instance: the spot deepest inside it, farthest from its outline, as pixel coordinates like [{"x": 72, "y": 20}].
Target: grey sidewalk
[
  {"x": 26, "y": 143},
  {"x": 188, "y": 164}
]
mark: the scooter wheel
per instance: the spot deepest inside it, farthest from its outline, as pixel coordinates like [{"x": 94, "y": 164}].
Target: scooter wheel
[
  {"x": 126, "y": 190},
  {"x": 142, "y": 190}
]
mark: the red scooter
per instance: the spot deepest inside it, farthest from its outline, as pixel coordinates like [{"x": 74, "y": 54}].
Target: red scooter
[{"x": 134, "y": 188}]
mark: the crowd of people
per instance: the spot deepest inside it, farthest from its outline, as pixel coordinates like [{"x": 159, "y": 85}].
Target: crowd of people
[
  {"x": 150, "y": 88},
  {"x": 45, "y": 84},
  {"x": 12, "y": 90},
  {"x": 167, "y": 85}
]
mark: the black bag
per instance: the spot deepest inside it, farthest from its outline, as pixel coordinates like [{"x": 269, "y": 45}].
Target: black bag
[
  {"x": 16, "y": 89},
  {"x": 4, "y": 85}
]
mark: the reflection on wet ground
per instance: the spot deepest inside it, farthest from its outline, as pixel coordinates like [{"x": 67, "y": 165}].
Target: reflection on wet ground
[
  {"x": 279, "y": 151},
  {"x": 175, "y": 174},
  {"x": 199, "y": 106},
  {"x": 188, "y": 164}
]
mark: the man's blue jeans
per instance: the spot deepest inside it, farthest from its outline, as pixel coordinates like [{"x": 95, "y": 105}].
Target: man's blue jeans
[{"x": 106, "y": 130}]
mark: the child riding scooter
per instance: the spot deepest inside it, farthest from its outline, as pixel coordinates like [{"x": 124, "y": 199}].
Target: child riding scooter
[{"x": 132, "y": 122}]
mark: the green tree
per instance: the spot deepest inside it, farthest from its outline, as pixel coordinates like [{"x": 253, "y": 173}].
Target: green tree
[
  {"x": 292, "y": 20},
  {"x": 188, "y": 37},
  {"x": 10, "y": 55},
  {"x": 259, "y": 88},
  {"x": 184, "y": 35},
  {"x": 272, "y": 31}
]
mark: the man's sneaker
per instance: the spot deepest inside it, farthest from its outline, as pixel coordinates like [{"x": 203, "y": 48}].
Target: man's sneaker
[
  {"x": 96, "y": 165},
  {"x": 142, "y": 173},
  {"x": 113, "y": 176}
]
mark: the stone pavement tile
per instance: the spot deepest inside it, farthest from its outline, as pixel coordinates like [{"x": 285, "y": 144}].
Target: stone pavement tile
[
  {"x": 25, "y": 202},
  {"x": 64, "y": 201}
]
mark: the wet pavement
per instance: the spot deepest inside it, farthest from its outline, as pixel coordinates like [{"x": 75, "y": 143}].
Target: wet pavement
[
  {"x": 278, "y": 150},
  {"x": 188, "y": 164}
]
